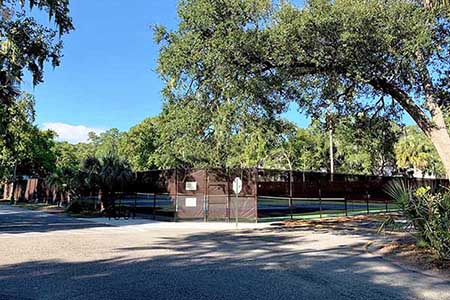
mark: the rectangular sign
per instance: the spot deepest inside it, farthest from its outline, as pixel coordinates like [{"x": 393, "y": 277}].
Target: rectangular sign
[
  {"x": 191, "y": 202},
  {"x": 191, "y": 186}
]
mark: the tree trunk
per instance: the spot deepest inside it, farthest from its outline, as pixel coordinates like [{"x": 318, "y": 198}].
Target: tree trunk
[
  {"x": 331, "y": 152},
  {"x": 440, "y": 138},
  {"x": 438, "y": 131},
  {"x": 13, "y": 198},
  {"x": 435, "y": 128}
]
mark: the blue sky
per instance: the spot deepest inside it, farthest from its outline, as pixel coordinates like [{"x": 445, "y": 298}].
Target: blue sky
[{"x": 107, "y": 78}]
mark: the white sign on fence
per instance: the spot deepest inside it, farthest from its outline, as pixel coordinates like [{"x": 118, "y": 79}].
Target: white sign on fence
[
  {"x": 191, "y": 186},
  {"x": 237, "y": 185},
  {"x": 191, "y": 202}
]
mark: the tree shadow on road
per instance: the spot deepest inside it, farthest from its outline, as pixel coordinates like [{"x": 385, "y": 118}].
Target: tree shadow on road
[
  {"x": 23, "y": 221},
  {"x": 226, "y": 265}
]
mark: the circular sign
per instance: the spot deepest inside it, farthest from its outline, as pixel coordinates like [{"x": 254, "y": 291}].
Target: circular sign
[{"x": 237, "y": 185}]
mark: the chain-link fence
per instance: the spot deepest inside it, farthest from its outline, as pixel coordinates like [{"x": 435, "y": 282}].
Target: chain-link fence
[{"x": 293, "y": 194}]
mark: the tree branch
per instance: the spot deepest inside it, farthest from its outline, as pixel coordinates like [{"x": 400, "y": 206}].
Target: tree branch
[{"x": 405, "y": 101}]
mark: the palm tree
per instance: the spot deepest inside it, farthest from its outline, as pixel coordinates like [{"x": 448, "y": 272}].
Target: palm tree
[
  {"x": 415, "y": 151},
  {"x": 62, "y": 183},
  {"x": 109, "y": 174},
  {"x": 90, "y": 173}
]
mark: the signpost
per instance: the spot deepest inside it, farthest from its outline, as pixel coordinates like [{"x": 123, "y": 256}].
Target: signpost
[{"x": 237, "y": 188}]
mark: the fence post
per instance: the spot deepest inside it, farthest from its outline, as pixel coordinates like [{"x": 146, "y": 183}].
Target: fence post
[
  {"x": 367, "y": 202},
  {"x": 227, "y": 177},
  {"x": 135, "y": 206},
  {"x": 154, "y": 206},
  {"x": 205, "y": 197},
  {"x": 175, "y": 217},
  {"x": 290, "y": 194},
  {"x": 255, "y": 192},
  {"x": 346, "y": 211},
  {"x": 320, "y": 202},
  {"x": 345, "y": 195}
]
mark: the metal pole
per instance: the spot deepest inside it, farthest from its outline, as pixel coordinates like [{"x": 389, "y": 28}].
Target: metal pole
[
  {"x": 331, "y": 153},
  {"x": 346, "y": 211},
  {"x": 368, "y": 197},
  {"x": 154, "y": 206},
  {"x": 228, "y": 196},
  {"x": 290, "y": 194},
  {"x": 176, "y": 195},
  {"x": 320, "y": 202},
  {"x": 255, "y": 174},
  {"x": 345, "y": 196},
  {"x": 236, "y": 209},
  {"x": 205, "y": 196},
  {"x": 135, "y": 207}
]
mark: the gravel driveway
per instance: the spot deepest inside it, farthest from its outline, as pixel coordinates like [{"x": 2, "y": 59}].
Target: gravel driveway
[{"x": 63, "y": 258}]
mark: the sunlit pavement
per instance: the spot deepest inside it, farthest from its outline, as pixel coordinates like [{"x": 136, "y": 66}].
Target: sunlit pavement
[
  {"x": 197, "y": 225},
  {"x": 54, "y": 257}
]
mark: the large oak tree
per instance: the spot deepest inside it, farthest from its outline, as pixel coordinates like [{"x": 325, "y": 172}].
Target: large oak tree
[{"x": 343, "y": 56}]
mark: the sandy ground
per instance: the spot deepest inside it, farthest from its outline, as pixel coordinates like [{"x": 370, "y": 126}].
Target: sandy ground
[{"x": 54, "y": 257}]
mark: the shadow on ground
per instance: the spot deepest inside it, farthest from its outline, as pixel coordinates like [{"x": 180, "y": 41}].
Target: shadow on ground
[
  {"x": 226, "y": 265},
  {"x": 14, "y": 221}
]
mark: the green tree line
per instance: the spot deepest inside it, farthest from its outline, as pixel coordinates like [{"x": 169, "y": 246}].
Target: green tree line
[
  {"x": 231, "y": 68},
  {"x": 185, "y": 136}
]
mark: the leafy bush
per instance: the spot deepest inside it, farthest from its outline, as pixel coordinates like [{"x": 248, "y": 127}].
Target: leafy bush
[
  {"x": 79, "y": 206},
  {"x": 428, "y": 212}
]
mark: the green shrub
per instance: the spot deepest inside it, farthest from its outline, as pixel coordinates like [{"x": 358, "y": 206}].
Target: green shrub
[
  {"x": 422, "y": 244},
  {"x": 79, "y": 206},
  {"x": 428, "y": 213}
]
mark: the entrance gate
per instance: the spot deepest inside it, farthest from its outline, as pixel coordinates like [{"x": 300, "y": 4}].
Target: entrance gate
[{"x": 218, "y": 191}]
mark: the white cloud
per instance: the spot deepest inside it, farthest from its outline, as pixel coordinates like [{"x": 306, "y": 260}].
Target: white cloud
[{"x": 71, "y": 133}]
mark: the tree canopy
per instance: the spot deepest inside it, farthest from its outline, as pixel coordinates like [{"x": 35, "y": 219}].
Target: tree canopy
[
  {"x": 28, "y": 150},
  {"x": 26, "y": 46},
  {"x": 380, "y": 58},
  {"x": 139, "y": 144}
]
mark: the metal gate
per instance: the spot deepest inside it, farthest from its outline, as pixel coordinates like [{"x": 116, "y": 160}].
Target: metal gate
[{"x": 217, "y": 195}]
